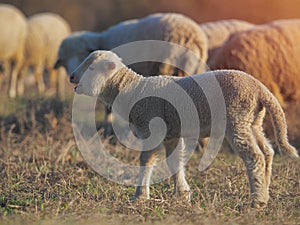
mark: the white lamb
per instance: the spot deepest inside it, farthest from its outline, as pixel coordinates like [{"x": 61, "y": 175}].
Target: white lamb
[
  {"x": 45, "y": 33},
  {"x": 169, "y": 27},
  {"x": 103, "y": 74},
  {"x": 13, "y": 29}
]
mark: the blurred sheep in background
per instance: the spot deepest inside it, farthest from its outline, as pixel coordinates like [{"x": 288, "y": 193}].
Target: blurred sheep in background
[
  {"x": 12, "y": 39},
  {"x": 269, "y": 52},
  {"x": 217, "y": 32},
  {"x": 45, "y": 33}
]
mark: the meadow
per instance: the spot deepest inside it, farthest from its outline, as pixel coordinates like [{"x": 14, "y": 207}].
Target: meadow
[{"x": 45, "y": 180}]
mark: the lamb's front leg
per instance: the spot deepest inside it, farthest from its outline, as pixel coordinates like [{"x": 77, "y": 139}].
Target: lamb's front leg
[
  {"x": 175, "y": 159},
  {"x": 147, "y": 160}
]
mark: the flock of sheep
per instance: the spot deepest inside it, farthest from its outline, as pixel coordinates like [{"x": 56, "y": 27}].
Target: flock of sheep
[
  {"x": 30, "y": 43},
  {"x": 268, "y": 52}
]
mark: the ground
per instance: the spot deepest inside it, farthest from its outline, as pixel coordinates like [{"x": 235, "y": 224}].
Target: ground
[{"x": 45, "y": 180}]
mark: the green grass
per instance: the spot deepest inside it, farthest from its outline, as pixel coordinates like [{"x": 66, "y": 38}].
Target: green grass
[
  {"x": 9, "y": 106},
  {"x": 45, "y": 180}
]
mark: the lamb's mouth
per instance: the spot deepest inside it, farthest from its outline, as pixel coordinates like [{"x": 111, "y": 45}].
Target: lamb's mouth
[{"x": 76, "y": 89}]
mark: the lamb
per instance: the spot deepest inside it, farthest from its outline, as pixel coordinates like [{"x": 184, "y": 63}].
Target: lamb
[
  {"x": 45, "y": 33},
  {"x": 13, "y": 33},
  {"x": 170, "y": 27},
  {"x": 103, "y": 74},
  {"x": 270, "y": 53},
  {"x": 217, "y": 32}
]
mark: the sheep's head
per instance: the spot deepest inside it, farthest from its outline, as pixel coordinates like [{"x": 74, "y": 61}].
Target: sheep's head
[
  {"x": 72, "y": 51},
  {"x": 94, "y": 71}
]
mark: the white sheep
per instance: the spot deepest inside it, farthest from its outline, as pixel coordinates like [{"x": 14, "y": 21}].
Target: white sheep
[
  {"x": 12, "y": 38},
  {"x": 270, "y": 53},
  {"x": 103, "y": 74},
  {"x": 45, "y": 33},
  {"x": 217, "y": 32},
  {"x": 170, "y": 27}
]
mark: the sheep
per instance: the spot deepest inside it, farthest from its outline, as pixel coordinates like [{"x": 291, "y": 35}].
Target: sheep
[
  {"x": 102, "y": 74},
  {"x": 170, "y": 27},
  {"x": 45, "y": 33},
  {"x": 270, "y": 53},
  {"x": 217, "y": 32},
  {"x": 13, "y": 33}
]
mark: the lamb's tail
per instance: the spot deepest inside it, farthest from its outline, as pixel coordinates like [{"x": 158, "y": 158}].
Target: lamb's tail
[{"x": 279, "y": 123}]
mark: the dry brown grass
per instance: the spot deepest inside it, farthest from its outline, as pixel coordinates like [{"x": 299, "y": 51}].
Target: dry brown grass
[{"x": 44, "y": 180}]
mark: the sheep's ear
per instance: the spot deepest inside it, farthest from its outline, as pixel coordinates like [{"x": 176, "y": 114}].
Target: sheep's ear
[
  {"x": 57, "y": 64},
  {"x": 111, "y": 65}
]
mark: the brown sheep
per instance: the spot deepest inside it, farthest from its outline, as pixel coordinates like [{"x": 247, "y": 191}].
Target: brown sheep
[
  {"x": 217, "y": 32},
  {"x": 270, "y": 53}
]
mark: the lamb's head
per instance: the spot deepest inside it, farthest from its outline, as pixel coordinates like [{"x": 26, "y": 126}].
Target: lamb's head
[
  {"x": 73, "y": 50},
  {"x": 92, "y": 74}
]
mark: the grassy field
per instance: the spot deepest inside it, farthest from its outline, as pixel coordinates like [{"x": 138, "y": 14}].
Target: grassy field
[{"x": 45, "y": 180}]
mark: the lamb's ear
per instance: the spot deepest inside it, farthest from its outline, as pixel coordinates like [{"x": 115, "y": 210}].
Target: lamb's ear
[{"x": 110, "y": 65}]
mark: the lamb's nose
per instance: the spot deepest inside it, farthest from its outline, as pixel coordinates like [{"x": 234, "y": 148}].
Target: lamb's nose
[{"x": 72, "y": 77}]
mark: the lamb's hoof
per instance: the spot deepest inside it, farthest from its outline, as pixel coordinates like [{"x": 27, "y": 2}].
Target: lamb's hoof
[
  {"x": 133, "y": 199},
  {"x": 258, "y": 204},
  {"x": 185, "y": 196},
  {"x": 136, "y": 198}
]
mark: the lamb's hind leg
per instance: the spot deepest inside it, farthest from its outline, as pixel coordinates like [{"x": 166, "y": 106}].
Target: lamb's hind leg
[
  {"x": 244, "y": 142},
  {"x": 264, "y": 146},
  {"x": 147, "y": 160},
  {"x": 175, "y": 161}
]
